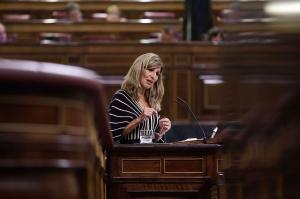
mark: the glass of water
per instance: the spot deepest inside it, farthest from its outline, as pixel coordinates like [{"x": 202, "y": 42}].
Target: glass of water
[{"x": 146, "y": 136}]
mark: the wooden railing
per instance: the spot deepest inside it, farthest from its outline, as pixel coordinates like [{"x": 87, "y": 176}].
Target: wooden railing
[
  {"x": 30, "y": 31},
  {"x": 131, "y": 9}
]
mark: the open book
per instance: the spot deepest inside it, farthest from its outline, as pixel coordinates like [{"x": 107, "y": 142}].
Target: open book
[
  {"x": 198, "y": 140},
  {"x": 191, "y": 141}
]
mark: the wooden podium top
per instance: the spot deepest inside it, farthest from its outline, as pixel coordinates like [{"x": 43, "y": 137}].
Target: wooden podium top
[{"x": 166, "y": 147}]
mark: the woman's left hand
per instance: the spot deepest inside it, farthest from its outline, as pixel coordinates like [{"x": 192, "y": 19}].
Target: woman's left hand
[{"x": 164, "y": 125}]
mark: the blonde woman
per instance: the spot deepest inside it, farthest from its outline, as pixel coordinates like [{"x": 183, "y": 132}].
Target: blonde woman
[{"x": 136, "y": 105}]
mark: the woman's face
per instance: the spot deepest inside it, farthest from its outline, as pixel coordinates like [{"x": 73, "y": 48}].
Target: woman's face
[{"x": 149, "y": 77}]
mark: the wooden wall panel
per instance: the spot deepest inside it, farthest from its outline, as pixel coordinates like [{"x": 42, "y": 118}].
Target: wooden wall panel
[
  {"x": 248, "y": 74},
  {"x": 211, "y": 96},
  {"x": 184, "y": 165},
  {"x": 167, "y": 110},
  {"x": 109, "y": 60},
  {"x": 182, "y": 60},
  {"x": 61, "y": 59},
  {"x": 182, "y": 85},
  {"x": 144, "y": 166}
]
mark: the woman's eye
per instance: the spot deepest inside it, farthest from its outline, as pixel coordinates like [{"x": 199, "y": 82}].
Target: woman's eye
[{"x": 157, "y": 72}]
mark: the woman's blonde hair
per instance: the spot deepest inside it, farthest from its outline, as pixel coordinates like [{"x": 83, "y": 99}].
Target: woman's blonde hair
[{"x": 132, "y": 85}]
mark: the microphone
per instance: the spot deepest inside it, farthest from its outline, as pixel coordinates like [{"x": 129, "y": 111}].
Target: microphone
[{"x": 189, "y": 110}]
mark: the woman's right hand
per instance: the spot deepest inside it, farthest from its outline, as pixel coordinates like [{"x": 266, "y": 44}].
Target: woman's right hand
[{"x": 148, "y": 112}]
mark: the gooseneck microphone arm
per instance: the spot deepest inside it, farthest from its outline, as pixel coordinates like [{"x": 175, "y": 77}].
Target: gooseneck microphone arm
[{"x": 189, "y": 110}]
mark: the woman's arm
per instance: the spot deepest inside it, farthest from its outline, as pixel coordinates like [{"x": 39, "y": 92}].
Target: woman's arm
[
  {"x": 164, "y": 125},
  {"x": 148, "y": 112},
  {"x": 133, "y": 124}
]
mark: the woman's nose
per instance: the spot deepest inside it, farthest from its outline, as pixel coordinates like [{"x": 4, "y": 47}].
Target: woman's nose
[{"x": 152, "y": 75}]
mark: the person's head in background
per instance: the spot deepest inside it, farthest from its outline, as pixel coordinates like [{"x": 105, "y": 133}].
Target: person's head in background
[
  {"x": 73, "y": 12},
  {"x": 113, "y": 13},
  {"x": 215, "y": 35},
  {"x": 3, "y": 35},
  {"x": 169, "y": 34},
  {"x": 145, "y": 78}
]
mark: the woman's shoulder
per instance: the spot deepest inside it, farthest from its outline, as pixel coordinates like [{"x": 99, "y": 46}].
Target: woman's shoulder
[{"x": 121, "y": 94}]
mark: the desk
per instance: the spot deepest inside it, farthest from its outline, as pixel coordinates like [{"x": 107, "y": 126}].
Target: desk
[
  {"x": 131, "y": 29},
  {"x": 90, "y": 26},
  {"x": 162, "y": 170}
]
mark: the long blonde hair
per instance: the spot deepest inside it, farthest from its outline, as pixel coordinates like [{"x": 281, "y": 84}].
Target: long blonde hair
[{"x": 132, "y": 85}]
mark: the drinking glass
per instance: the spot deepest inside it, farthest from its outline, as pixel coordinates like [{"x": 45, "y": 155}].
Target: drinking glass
[{"x": 146, "y": 136}]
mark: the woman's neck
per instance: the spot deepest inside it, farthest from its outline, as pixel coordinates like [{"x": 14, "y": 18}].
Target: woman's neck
[
  {"x": 141, "y": 94},
  {"x": 143, "y": 100}
]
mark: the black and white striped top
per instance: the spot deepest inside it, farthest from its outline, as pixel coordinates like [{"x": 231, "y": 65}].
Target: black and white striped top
[{"x": 122, "y": 110}]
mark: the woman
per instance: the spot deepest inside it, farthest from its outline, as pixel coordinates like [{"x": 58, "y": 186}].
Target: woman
[{"x": 136, "y": 105}]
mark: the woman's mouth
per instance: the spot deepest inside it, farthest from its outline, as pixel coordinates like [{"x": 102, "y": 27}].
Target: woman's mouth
[{"x": 149, "y": 82}]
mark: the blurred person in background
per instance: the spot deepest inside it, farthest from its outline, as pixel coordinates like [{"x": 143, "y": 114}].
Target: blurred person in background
[
  {"x": 169, "y": 34},
  {"x": 114, "y": 14},
  {"x": 3, "y": 35},
  {"x": 215, "y": 35},
  {"x": 73, "y": 12}
]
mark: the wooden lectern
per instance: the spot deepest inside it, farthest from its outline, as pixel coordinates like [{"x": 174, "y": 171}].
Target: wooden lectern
[{"x": 163, "y": 170}]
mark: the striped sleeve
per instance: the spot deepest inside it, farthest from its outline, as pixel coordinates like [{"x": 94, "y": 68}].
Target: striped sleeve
[{"x": 122, "y": 111}]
